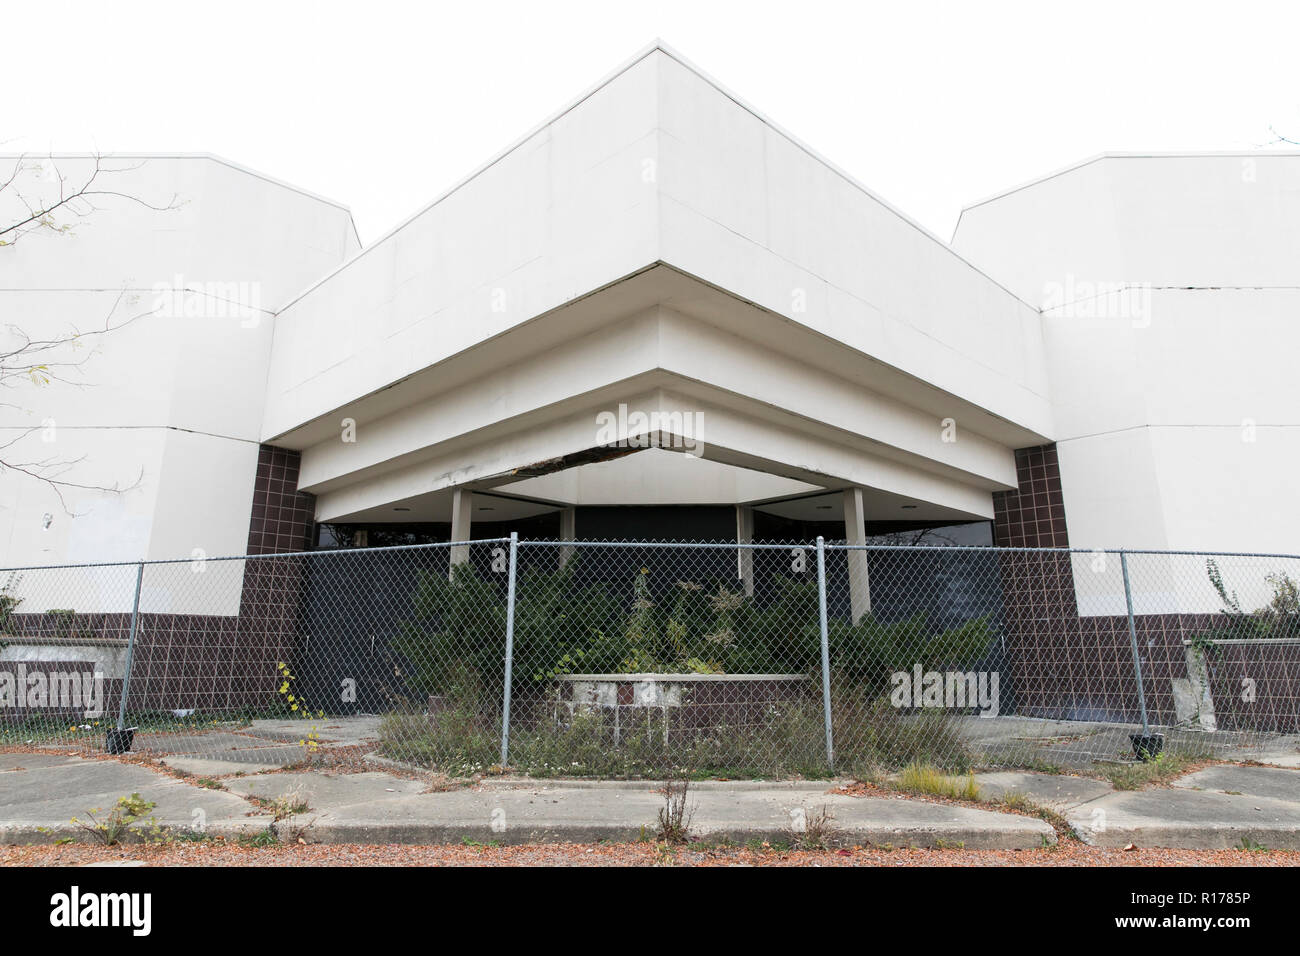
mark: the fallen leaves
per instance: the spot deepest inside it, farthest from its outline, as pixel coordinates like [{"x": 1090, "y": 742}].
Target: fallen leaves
[{"x": 625, "y": 854}]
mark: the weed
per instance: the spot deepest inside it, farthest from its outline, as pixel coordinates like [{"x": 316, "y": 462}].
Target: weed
[
  {"x": 265, "y": 837},
  {"x": 125, "y": 813},
  {"x": 1014, "y": 800},
  {"x": 675, "y": 816},
  {"x": 1020, "y": 803},
  {"x": 818, "y": 831},
  {"x": 440, "y": 782},
  {"x": 288, "y": 804},
  {"x": 665, "y": 854},
  {"x": 927, "y": 779},
  {"x": 1166, "y": 766}
]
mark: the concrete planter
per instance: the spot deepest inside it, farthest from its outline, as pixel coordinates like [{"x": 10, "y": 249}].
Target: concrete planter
[{"x": 694, "y": 702}]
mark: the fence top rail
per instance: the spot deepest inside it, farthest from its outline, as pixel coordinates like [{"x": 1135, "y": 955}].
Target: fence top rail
[
  {"x": 323, "y": 553},
  {"x": 429, "y": 545},
  {"x": 841, "y": 546}
]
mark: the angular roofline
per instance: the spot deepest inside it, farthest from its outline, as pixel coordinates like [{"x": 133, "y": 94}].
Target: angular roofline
[
  {"x": 211, "y": 157},
  {"x": 656, "y": 46},
  {"x": 839, "y": 171},
  {"x": 1127, "y": 154}
]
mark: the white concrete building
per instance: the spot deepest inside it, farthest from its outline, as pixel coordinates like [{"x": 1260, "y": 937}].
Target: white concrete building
[{"x": 1100, "y": 358}]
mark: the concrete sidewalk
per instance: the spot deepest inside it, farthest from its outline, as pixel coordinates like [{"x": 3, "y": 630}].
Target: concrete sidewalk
[
  {"x": 1219, "y": 807},
  {"x": 39, "y": 794}
]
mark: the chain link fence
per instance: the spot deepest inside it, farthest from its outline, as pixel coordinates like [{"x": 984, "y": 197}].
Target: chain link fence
[{"x": 626, "y": 659}]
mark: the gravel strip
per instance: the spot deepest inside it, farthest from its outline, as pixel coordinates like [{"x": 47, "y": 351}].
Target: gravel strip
[{"x": 623, "y": 854}]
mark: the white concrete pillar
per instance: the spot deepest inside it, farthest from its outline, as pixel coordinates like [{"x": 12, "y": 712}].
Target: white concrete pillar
[
  {"x": 855, "y": 532},
  {"x": 568, "y": 532},
  {"x": 462, "y": 503},
  {"x": 745, "y": 556}
]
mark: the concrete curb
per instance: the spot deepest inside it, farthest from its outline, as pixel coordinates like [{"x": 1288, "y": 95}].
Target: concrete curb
[
  {"x": 1033, "y": 836},
  {"x": 35, "y": 834},
  {"x": 313, "y": 830},
  {"x": 1198, "y": 836}
]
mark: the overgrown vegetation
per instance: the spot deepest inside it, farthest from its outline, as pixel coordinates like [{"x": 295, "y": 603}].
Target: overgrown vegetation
[
  {"x": 9, "y": 603},
  {"x": 43, "y": 728},
  {"x": 1278, "y": 618},
  {"x": 63, "y": 622},
  {"x": 1166, "y": 765},
  {"x": 789, "y": 741},
  {"x": 565, "y": 626},
  {"x": 450, "y": 679}
]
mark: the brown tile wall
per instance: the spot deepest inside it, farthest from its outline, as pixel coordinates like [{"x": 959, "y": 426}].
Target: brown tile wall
[
  {"x": 1066, "y": 667},
  {"x": 282, "y": 516},
  {"x": 213, "y": 662},
  {"x": 1032, "y": 516}
]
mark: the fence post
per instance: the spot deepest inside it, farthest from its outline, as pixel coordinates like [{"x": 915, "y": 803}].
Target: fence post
[
  {"x": 510, "y": 649},
  {"x": 1133, "y": 641},
  {"x": 130, "y": 647},
  {"x": 826, "y": 649}
]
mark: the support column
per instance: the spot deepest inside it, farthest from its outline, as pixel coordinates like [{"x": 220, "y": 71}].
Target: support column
[
  {"x": 745, "y": 556},
  {"x": 568, "y": 532},
  {"x": 855, "y": 532},
  {"x": 461, "y": 518}
]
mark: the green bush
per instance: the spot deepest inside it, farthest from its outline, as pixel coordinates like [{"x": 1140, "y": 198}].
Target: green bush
[
  {"x": 9, "y": 603},
  {"x": 1279, "y": 618},
  {"x": 453, "y": 649},
  {"x": 561, "y": 627}
]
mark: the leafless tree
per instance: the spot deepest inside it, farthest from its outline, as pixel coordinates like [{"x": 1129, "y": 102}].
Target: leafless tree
[{"x": 56, "y": 205}]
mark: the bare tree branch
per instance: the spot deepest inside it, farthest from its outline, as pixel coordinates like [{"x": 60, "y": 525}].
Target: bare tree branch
[
  {"x": 77, "y": 201},
  {"x": 1279, "y": 138},
  {"x": 45, "y": 361}
]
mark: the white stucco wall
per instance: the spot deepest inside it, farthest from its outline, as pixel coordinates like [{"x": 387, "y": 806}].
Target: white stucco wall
[
  {"x": 1170, "y": 289},
  {"x": 799, "y": 294},
  {"x": 167, "y": 405},
  {"x": 748, "y": 207},
  {"x": 565, "y": 211}
]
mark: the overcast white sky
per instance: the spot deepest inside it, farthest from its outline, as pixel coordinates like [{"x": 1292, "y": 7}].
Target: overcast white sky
[{"x": 383, "y": 105}]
